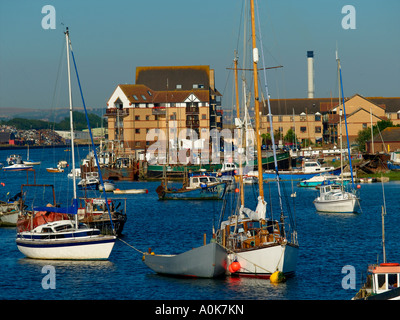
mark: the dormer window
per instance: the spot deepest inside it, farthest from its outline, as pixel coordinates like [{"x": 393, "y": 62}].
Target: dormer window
[{"x": 135, "y": 97}]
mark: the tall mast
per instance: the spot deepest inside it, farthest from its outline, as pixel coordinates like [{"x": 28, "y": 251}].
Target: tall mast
[
  {"x": 240, "y": 133},
  {"x": 70, "y": 113},
  {"x": 71, "y": 124},
  {"x": 256, "y": 101}
]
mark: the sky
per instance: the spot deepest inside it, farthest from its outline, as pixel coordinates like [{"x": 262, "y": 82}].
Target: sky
[{"x": 111, "y": 38}]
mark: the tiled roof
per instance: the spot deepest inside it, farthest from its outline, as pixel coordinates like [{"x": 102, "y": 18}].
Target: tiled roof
[
  {"x": 388, "y": 134},
  {"x": 137, "y": 93},
  {"x": 167, "y": 78}
]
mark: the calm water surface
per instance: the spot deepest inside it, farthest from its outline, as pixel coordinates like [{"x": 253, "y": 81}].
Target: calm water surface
[{"x": 328, "y": 242}]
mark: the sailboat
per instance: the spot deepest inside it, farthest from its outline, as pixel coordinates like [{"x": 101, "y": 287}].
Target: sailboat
[
  {"x": 30, "y": 162},
  {"x": 258, "y": 246},
  {"x": 333, "y": 198},
  {"x": 65, "y": 239}
]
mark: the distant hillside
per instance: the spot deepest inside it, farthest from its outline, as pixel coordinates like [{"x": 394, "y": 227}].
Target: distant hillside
[
  {"x": 49, "y": 115},
  {"x": 79, "y": 122}
]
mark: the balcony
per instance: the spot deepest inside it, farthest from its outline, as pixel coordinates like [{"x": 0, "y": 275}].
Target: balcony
[
  {"x": 158, "y": 111},
  {"x": 114, "y": 112}
]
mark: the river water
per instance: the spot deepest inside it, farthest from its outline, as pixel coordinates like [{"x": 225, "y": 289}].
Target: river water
[{"x": 329, "y": 243}]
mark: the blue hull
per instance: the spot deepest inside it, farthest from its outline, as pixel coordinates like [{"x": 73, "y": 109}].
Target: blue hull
[{"x": 293, "y": 175}]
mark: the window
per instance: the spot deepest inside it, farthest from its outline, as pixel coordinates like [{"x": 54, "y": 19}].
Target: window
[
  {"x": 137, "y": 143},
  {"x": 135, "y": 97},
  {"x": 280, "y": 118},
  {"x": 203, "y": 116},
  {"x": 137, "y": 130},
  {"x": 179, "y": 86},
  {"x": 143, "y": 96},
  {"x": 137, "y": 117},
  {"x": 149, "y": 93},
  {"x": 147, "y": 117},
  {"x": 317, "y": 129},
  {"x": 303, "y": 129},
  {"x": 317, "y": 117},
  {"x": 364, "y": 126}
]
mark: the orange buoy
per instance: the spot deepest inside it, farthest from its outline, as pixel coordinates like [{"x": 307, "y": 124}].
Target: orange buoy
[
  {"x": 237, "y": 190},
  {"x": 358, "y": 186},
  {"x": 234, "y": 266}
]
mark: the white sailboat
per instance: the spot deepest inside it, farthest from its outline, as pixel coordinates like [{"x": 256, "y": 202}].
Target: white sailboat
[
  {"x": 333, "y": 199},
  {"x": 65, "y": 239},
  {"x": 258, "y": 246}
]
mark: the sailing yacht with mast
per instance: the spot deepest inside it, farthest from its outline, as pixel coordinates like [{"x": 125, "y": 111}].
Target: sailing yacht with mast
[
  {"x": 333, "y": 198},
  {"x": 65, "y": 239},
  {"x": 258, "y": 246}
]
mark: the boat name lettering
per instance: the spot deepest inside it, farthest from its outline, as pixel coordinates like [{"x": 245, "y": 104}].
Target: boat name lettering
[{"x": 212, "y": 189}]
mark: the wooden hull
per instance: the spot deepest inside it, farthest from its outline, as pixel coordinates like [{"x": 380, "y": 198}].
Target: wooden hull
[
  {"x": 120, "y": 174},
  {"x": 208, "y": 261}
]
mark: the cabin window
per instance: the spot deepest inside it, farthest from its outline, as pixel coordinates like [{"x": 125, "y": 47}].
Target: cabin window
[
  {"x": 195, "y": 180},
  {"x": 381, "y": 282},
  {"x": 392, "y": 280},
  {"x": 203, "y": 180}
]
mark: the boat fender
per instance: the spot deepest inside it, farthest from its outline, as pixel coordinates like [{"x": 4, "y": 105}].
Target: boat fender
[
  {"x": 252, "y": 243},
  {"x": 234, "y": 266},
  {"x": 203, "y": 185},
  {"x": 277, "y": 277}
]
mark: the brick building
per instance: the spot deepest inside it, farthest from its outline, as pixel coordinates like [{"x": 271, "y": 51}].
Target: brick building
[{"x": 174, "y": 97}]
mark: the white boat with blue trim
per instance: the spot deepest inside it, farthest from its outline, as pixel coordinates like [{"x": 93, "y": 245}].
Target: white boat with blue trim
[{"x": 66, "y": 239}]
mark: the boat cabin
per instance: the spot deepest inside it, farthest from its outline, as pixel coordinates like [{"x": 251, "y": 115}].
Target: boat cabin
[
  {"x": 315, "y": 166},
  {"x": 201, "y": 181},
  {"x": 248, "y": 233},
  {"x": 385, "y": 277}
]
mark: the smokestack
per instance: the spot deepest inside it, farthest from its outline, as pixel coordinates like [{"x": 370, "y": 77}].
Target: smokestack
[{"x": 310, "y": 64}]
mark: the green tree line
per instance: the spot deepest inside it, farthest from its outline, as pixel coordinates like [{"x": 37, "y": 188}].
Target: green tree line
[{"x": 79, "y": 123}]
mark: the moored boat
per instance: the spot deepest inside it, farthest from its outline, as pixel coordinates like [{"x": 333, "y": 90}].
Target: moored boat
[{"x": 207, "y": 261}]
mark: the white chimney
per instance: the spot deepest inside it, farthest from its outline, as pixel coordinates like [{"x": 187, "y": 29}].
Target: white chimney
[{"x": 310, "y": 62}]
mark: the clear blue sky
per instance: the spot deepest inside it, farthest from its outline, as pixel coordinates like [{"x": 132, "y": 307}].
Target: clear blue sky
[{"x": 111, "y": 38}]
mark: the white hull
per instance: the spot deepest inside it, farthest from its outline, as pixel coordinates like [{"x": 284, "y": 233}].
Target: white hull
[
  {"x": 98, "y": 248},
  {"x": 9, "y": 219},
  {"x": 262, "y": 262},
  {"x": 130, "y": 191},
  {"x": 108, "y": 187},
  {"x": 336, "y": 206}
]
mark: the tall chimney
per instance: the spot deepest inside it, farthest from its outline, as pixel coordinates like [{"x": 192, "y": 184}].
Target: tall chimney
[{"x": 310, "y": 63}]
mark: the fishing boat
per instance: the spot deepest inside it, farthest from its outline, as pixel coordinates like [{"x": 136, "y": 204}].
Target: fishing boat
[
  {"x": 309, "y": 169},
  {"x": 66, "y": 239},
  {"x": 60, "y": 167},
  {"x": 199, "y": 187},
  {"x": 17, "y": 167},
  {"x": 14, "y": 159},
  {"x": 338, "y": 200},
  {"x": 382, "y": 281},
  {"x": 258, "y": 246},
  {"x": 90, "y": 182},
  {"x": 94, "y": 213},
  {"x": 10, "y": 211},
  {"x": 207, "y": 261}
]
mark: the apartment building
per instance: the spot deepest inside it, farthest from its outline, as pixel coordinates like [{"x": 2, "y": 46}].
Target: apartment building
[{"x": 177, "y": 98}]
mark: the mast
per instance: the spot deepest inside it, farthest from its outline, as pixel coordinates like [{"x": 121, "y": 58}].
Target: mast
[
  {"x": 257, "y": 102},
  {"x": 345, "y": 120},
  {"x": 240, "y": 134},
  {"x": 71, "y": 122}
]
